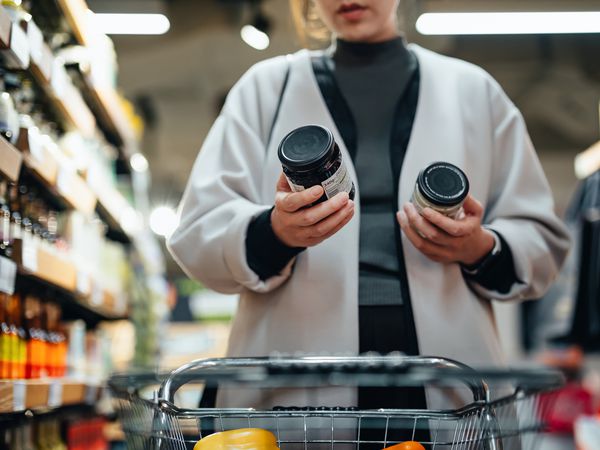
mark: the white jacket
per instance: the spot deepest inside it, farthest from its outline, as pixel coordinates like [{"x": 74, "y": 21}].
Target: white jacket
[{"x": 462, "y": 117}]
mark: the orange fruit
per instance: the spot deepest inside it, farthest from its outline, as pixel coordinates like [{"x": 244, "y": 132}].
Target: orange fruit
[{"x": 408, "y": 445}]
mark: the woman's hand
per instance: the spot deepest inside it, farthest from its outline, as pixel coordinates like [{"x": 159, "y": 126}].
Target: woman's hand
[
  {"x": 297, "y": 226},
  {"x": 447, "y": 240}
]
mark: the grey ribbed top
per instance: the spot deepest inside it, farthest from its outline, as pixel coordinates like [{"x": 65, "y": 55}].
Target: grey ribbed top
[{"x": 372, "y": 78}]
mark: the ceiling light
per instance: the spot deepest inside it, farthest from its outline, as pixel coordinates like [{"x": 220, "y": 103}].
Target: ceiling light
[
  {"x": 256, "y": 33},
  {"x": 138, "y": 162},
  {"x": 163, "y": 221},
  {"x": 254, "y": 37},
  {"x": 479, "y": 23},
  {"x": 129, "y": 23}
]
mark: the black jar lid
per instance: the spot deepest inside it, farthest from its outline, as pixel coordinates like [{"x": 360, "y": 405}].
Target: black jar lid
[
  {"x": 306, "y": 148},
  {"x": 443, "y": 184}
]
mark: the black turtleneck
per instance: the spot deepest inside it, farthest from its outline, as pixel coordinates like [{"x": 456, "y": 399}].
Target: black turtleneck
[{"x": 372, "y": 78}]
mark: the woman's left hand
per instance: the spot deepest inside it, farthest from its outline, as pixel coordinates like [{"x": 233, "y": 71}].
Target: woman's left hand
[{"x": 447, "y": 240}]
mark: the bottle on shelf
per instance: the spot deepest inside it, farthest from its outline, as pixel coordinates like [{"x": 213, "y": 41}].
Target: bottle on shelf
[
  {"x": 17, "y": 346},
  {"x": 35, "y": 342},
  {"x": 15, "y": 213},
  {"x": 5, "y": 249},
  {"x": 27, "y": 437},
  {"x": 9, "y": 117},
  {"x": 5, "y": 364}
]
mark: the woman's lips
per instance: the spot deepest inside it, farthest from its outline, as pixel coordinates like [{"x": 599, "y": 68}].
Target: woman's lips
[{"x": 352, "y": 11}]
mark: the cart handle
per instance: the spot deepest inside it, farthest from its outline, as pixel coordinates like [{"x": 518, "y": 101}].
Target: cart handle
[{"x": 423, "y": 369}]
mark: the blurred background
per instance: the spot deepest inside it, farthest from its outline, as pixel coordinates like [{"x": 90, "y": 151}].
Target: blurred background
[{"x": 104, "y": 108}]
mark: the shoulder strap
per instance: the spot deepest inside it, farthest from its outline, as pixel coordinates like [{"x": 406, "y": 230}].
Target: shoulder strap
[
  {"x": 335, "y": 101},
  {"x": 278, "y": 107}
]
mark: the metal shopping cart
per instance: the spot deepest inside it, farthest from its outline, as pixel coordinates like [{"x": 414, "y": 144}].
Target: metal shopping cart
[{"x": 152, "y": 420}]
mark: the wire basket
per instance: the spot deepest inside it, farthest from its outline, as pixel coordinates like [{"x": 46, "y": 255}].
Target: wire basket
[{"x": 512, "y": 422}]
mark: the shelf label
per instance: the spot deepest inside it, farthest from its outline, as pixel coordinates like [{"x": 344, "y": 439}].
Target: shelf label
[
  {"x": 91, "y": 394},
  {"x": 18, "y": 55},
  {"x": 36, "y": 41},
  {"x": 55, "y": 394},
  {"x": 97, "y": 296},
  {"x": 83, "y": 282},
  {"x": 8, "y": 275},
  {"x": 19, "y": 390},
  {"x": 65, "y": 181},
  {"x": 59, "y": 79},
  {"x": 29, "y": 255},
  {"x": 34, "y": 142}
]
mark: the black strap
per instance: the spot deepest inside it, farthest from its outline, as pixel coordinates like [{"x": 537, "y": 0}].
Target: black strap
[
  {"x": 335, "y": 101},
  {"x": 276, "y": 115}
]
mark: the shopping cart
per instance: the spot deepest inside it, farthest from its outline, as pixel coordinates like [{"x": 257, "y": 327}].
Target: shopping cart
[{"x": 151, "y": 419}]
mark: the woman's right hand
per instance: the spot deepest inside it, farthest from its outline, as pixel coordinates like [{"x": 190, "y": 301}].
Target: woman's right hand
[{"x": 297, "y": 226}]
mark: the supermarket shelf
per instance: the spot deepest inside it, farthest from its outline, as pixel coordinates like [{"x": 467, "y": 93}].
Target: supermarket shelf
[
  {"x": 65, "y": 97},
  {"x": 66, "y": 188},
  {"x": 112, "y": 208},
  {"x": 45, "y": 394},
  {"x": 80, "y": 296},
  {"x": 10, "y": 160},
  {"x": 111, "y": 115},
  {"x": 105, "y": 99},
  {"x": 75, "y": 11}
]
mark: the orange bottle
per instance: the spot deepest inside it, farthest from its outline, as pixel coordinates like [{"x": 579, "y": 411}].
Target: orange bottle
[
  {"x": 13, "y": 337},
  {"x": 33, "y": 327},
  {"x": 21, "y": 356},
  {"x": 4, "y": 341}
]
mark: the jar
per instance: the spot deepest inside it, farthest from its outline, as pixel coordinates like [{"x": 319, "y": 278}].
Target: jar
[
  {"x": 310, "y": 156},
  {"x": 442, "y": 187}
]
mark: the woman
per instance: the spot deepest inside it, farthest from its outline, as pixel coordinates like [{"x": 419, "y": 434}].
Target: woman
[{"x": 345, "y": 276}]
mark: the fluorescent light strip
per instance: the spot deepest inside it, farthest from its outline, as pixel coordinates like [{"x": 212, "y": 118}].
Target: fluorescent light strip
[
  {"x": 114, "y": 23},
  {"x": 478, "y": 23}
]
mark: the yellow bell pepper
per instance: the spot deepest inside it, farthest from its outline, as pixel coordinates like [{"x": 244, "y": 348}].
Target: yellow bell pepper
[{"x": 242, "y": 439}]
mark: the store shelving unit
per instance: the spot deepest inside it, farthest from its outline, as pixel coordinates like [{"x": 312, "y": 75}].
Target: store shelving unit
[
  {"x": 105, "y": 99},
  {"x": 66, "y": 189},
  {"x": 78, "y": 294},
  {"x": 45, "y": 394},
  {"x": 76, "y": 100}
]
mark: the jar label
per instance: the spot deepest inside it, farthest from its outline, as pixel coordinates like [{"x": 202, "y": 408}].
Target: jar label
[
  {"x": 295, "y": 187},
  {"x": 340, "y": 181}
]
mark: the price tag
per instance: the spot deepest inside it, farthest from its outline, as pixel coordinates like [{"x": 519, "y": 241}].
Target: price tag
[
  {"x": 64, "y": 181},
  {"x": 19, "y": 391},
  {"x": 18, "y": 55},
  {"x": 35, "y": 144},
  {"x": 36, "y": 42},
  {"x": 83, "y": 282},
  {"x": 91, "y": 394},
  {"x": 29, "y": 256},
  {"x": 59, "y": 79},
  {"x": 55, "y": 394},
  {"x": 97, "y": 296},
  {"x": 8, "y": 275}
]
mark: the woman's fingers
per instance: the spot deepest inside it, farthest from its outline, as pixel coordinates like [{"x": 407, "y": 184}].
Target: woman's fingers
[
  {"x": 293, "y": 201},
  {"x": 430, "y": 249},
  {"x": 472, "y": 206},
  {"x": 424, "y": 228},
  {"x": 317, "y": 213},
  {"x": 331, "y": 224}
]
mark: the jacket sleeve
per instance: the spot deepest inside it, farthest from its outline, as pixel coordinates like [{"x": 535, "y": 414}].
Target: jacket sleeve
[
  {"x": 223, "y": 193},
  {"x": 520, "y": 206}
]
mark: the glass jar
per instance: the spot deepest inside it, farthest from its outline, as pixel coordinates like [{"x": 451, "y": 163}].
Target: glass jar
[
  {"x": 442, "y": 187},
  {"x": 310, "y": 157}
]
